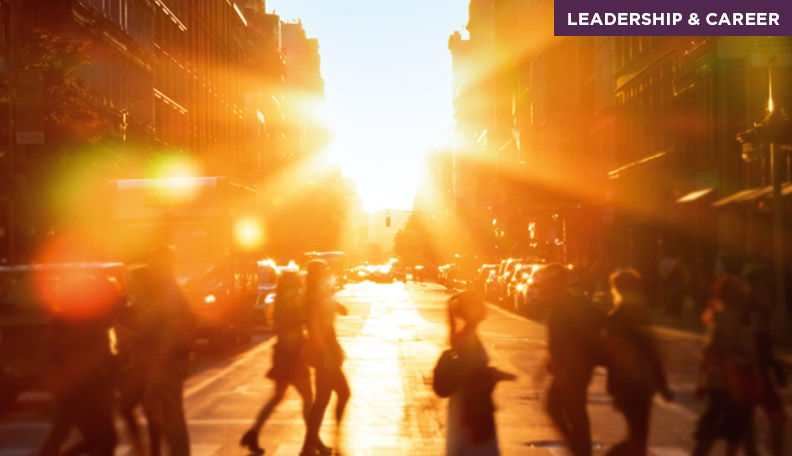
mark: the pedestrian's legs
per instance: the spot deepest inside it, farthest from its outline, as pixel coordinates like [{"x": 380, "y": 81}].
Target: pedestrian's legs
[
  {"x": 636, "y": 412},
  {"x": 706, "y": 428},
  {"x": 168, "y": 384},
  {"x": 341, "y": 386},
  {"x": 62, "y": 424},
  {"x": 324, "y": 388},
  {"x": 630, "y": 446},
  {"x": 250, "y": 438},
  {"x": 555, "y": 408},
  {"x": 749, "y": 443},
  {"x": 566, "y": 405},
  {"x": 577, "y": 415},
  {"x": 303, "y": 386},
  {"x": 154, "y": 422},
  {"x": 266, "y": 411}
]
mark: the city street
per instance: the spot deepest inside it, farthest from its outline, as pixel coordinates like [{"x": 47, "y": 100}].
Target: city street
[{"x": 392, "y": 336}]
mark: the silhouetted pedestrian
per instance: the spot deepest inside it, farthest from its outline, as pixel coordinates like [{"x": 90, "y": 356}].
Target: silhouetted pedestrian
[
  {"x": 324, "y": 353},
  {"x": 288, "y": 364},
  {"x": 635, "y": 371},
  {"x": 136, "y": 354},
  {"x": 770, "y": 369},
  {"x": 471, "y": 412},
  {"x": 574, "y": 348},
  {"x": 84, "y": 366},
  {"x": 169, "y": 333},
  {"x": 728, "y": 376}
]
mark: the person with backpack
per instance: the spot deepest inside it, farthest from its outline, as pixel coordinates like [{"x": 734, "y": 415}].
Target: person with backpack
[
  {"x": 288, "y": 364},
  {"x": 464, "y": 374},
  {"x": 574, "y": 348},
  {"x": 635, "y": 370}
]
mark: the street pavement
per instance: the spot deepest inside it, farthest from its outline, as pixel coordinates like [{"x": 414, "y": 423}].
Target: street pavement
[{"x": 393, "y": 336}]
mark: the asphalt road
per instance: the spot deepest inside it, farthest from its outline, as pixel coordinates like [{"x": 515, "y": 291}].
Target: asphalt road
[{"x": 393, "y": 336}]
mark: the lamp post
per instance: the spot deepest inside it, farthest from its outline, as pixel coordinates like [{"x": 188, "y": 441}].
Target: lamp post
[{"x": 771, "y": 133}]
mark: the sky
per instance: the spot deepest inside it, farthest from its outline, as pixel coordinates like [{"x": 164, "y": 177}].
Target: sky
[{"x": 387, "y": 72}]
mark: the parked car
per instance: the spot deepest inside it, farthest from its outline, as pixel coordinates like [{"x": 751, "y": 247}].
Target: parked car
[
  {"x": 27, "y": 293},
  {"x": 519, "y": 272},
  {"x": 268, "y": 274},
  {"x": 523, "y": 290},
  {"x": 505, "y": 281},
  {"x": 223, "y": 299},
  {"x": 504, "y": 272},
  {"x": 482, "y": 277}
]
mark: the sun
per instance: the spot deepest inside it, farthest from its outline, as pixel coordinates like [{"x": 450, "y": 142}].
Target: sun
[{"x": 384, "y": 180}]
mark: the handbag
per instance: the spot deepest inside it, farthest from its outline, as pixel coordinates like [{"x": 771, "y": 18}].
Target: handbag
[{"x": 446, "y": 373}]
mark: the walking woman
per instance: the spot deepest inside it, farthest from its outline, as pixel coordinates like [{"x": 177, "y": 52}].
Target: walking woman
[
  {"x": 471, "y": 412},
  {"x": 324, "y": 353},
  {"x": 288, "y": 364},
  {"x": 635, "y": 371}
]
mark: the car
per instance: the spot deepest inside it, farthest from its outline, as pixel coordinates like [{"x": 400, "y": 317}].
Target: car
[
  {"x": 518, "y": 272},
  {"x": 504, "y": 270},
  {"x": 523, "y": 291},
  {"x": 506, "y": 280},
  {"x": 27, "y": 316},
  {"x": 482, "y": 278},
  {"x": 268, "y": 275},
  {"x": 492, "y": 287},
  {"x": 223, "y": 299}
]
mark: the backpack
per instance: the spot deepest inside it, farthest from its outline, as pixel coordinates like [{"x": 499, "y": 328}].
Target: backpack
[{"x": 446, "y": 373}]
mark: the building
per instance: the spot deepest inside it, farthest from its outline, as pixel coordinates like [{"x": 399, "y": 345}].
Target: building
[
  {"x": 81, "y": 75},
  {"x": 199, "y": 86},
  {"x": 265, "y": 89},
  {"x": 122, "y": 82},
  {"x": 625, "y": 149},
  {"x": 305, "y": 133}
]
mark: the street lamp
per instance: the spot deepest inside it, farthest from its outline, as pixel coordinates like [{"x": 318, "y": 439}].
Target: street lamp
[{"x": 773, "y": 132}]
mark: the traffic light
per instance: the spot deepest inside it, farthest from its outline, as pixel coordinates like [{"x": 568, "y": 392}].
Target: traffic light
[{"x": 387, "y": 219}]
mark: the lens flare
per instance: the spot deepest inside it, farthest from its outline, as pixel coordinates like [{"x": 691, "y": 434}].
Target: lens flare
[{"x": 249, "y": 233}]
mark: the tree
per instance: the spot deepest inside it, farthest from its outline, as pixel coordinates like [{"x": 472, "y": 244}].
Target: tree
[{"x": 413, "y": 243}]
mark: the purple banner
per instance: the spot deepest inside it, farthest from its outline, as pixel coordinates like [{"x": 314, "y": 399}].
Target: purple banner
[{"x": 673, "y": 18}]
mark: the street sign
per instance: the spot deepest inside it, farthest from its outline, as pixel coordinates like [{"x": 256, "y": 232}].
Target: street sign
[
  {"x": 771, "y": 52},
  {"x": 24, "y": 138}
]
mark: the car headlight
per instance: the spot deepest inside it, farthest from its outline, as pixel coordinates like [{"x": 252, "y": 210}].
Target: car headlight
[{"x": 210, "y": 299}]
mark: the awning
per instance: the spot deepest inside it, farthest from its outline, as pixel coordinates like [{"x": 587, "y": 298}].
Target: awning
[
  {"x": 694, "y": 195},
  {"x": 742, "y": 196},
  {"x": 616, "y": 173},
  {"x": 752, "y": 194}
]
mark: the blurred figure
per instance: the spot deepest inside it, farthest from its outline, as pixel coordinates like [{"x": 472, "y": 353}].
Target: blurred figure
[
  {"x": 574, "y": 348},
  {"x": 324, "y": 353},
  {"x": 84, "y": 366},
  {"x": 635, "y": 371},
  {"x": 136, "y": 354},
  {"x": 471, "y": 419},
  {"x": 288, "y": 365},
  {"x": 770, "y": 368},
  {"x": 728, "y": 373},
  {"x": 674, "y": 278},
  {"x": 168, "y": 332}
]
